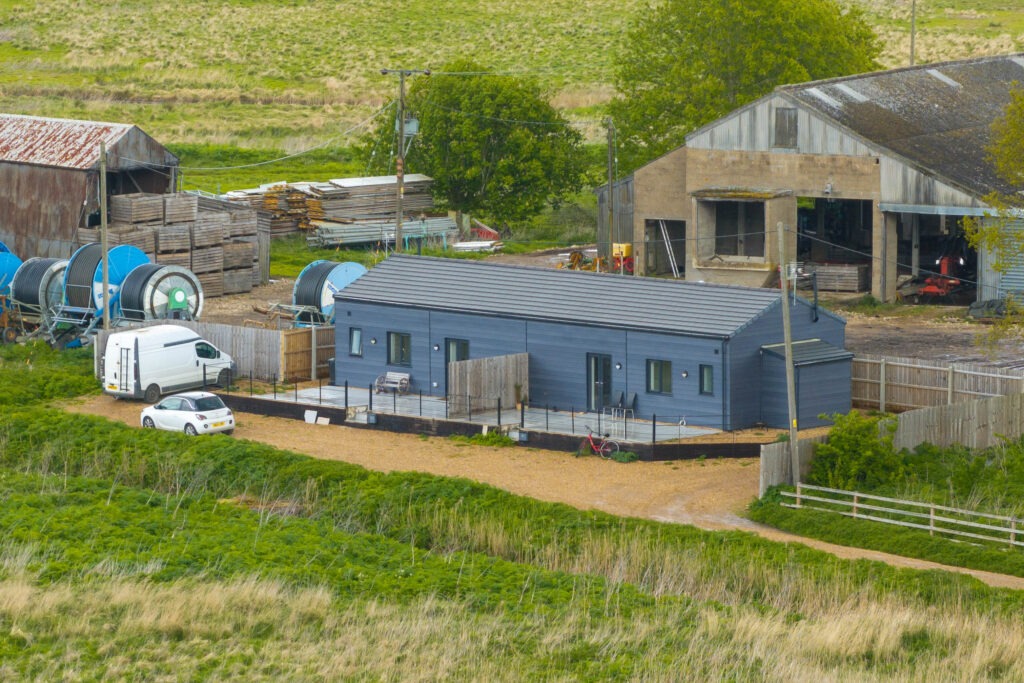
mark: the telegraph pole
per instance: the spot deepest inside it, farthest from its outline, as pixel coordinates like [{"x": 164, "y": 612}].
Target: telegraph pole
[
  {"x": 103, "y": 236},
  {"x": 787, "y": 336},
  {"x": 913, "y": 28},
  {"x": 400, "y": 160},
  {"x": 611, "y": 199}
]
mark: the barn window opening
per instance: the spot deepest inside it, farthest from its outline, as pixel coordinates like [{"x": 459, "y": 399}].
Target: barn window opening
[
  {"x": 785, "y": 127},
  {"x": 739, "y": 229}
]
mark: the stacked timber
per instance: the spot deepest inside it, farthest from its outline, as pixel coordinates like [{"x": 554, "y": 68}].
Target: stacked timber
[{"x": 295, "y": 206}]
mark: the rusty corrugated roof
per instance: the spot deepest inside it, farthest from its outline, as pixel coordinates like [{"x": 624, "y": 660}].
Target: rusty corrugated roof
[
  {"x": 56, "y": 142},
  {"x": 938, "y": 116}
]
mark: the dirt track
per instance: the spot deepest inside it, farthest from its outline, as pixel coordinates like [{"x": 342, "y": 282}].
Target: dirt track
[{"x": 710, "y": 494}]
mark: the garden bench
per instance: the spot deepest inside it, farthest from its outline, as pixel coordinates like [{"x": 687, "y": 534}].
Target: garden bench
[{"x": 395, "y": 381}]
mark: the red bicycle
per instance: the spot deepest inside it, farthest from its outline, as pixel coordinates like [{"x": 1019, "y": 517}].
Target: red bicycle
[{"x": 602, "y": 446}]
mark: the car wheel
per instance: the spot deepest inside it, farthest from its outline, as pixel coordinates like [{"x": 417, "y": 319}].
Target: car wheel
[
  {"x": 148, "y": 423},
  {"x": 229, "y": 432},
  {"x": 190, "y": 430},
  {"x": 152, "y": 394}
]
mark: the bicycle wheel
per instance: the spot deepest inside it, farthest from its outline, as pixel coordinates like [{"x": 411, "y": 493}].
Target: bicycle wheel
[
  {"x": 584, "y": 448},
  {"x": 609, "y": 448}
]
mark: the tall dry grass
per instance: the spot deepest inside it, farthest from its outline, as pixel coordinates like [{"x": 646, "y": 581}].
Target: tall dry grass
[{"x": 118, "y": 626}]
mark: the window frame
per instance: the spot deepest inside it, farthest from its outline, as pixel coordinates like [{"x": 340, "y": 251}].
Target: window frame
[
  {"x": 706, "y": 376},
  {"x": 355, "y": 334},
  {"x": 404, "y": 343},
  {"x": 664, "y": 374}
]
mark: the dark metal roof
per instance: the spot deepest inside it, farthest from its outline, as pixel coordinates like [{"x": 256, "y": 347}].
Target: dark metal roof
[
  {"x": 56, "y": 142},
  {"x": 604, "y": 299},
  {"x": 937, "y": 116},
  {"x": 809, "y": 352}
]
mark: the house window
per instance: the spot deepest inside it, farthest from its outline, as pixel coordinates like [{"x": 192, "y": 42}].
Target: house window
[
  {"x": 707, "y": 379},
  {"x": 355, "y": 341},
  {"x": 399, "y": 348},
  {"x": 659, "y": 376},
  {"x": 785, "y": 127}
]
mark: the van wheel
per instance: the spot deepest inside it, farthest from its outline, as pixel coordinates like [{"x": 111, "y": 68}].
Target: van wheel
[
  {"x": 190, "y": 430},
  {"x": 224, "y": 378},
  {"x": 152, "y": 394}
]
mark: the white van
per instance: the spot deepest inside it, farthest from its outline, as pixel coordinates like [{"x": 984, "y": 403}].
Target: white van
[{"x": 150, "y": 361}]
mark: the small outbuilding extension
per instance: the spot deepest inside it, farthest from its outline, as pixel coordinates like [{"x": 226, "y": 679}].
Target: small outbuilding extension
[{"x": 675, "y": 350}]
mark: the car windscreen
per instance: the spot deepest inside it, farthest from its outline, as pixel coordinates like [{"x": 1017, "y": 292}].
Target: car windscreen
[{"x": 209, "y": 403}]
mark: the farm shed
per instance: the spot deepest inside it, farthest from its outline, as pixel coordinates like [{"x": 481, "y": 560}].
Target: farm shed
[
  {"x": 49, "y": 178},
  {"x": 677, "y": 350},
  {"x": 871, "y": 176}
]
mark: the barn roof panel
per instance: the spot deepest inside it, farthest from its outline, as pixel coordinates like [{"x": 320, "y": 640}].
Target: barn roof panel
[
  {"x": 938, "y": 116},
  {"x": 56, "y": 142}
]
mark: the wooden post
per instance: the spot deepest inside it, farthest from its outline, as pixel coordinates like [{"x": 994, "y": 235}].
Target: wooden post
[
  {"x": 949, "y": 386},
  {"x": 855, "y": 506},
  {"x": 798, "y": 494},
  {"x": 312, "y": 344},
  {"x": 881, "y": 386},
  {"x": 931, "y": 521}
]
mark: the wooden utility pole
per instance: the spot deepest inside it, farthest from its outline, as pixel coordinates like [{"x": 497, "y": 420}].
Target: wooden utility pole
[
  {"x": 611, "y": 197},
  {"x": 105, "y": 260},
  {"x": 913, "y": 28},
  {"x": 400, "y": 158},
  {"x": 400, "y": 161},
  {"x": 787, "y": 336}
]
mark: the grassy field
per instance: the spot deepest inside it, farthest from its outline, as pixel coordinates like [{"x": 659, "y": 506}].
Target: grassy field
[
  {"x": 290, "y": 76},
  {"x": 131, "y": 554}
]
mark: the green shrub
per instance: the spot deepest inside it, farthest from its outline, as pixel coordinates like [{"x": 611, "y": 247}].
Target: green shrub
[{"x": 858, "y": 455}]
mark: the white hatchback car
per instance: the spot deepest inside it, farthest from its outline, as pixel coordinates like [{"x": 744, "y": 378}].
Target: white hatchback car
[{"x": 193, "y": 412}]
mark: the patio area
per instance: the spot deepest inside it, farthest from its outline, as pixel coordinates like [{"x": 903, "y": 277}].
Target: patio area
[{"x": 362, "y": 405}]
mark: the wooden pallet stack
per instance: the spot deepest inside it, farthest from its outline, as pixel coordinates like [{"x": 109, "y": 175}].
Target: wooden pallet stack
[{"x": 141, "y": 236}]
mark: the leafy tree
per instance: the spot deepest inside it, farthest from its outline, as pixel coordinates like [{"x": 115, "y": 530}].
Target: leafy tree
[
  {"x": 687, "y": 62},
  {"x": 492, "y": 144}
]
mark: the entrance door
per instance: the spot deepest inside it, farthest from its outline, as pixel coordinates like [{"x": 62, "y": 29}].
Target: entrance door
[
  {"x": 599, "y": 381},
  {"x": 454, "y": 349}
]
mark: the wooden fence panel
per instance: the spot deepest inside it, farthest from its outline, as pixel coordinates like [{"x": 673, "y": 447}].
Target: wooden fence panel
[
  {"x": 476, "y": 385},
  {"x": 975, "y": 424},
  {"x": 776, "y": 462},
  {"x": 899, "y": 384},
  {"x": 303, "y": 347}
]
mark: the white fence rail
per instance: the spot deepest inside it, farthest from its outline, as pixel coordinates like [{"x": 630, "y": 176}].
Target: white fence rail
[{"x": 956, "y": 523}]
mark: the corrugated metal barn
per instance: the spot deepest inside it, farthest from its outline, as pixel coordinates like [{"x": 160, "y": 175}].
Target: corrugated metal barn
[
  {"x": 674, "y": 349},
  {"x": 870, "y": 175},
  {"x": 49, "y": 177}
]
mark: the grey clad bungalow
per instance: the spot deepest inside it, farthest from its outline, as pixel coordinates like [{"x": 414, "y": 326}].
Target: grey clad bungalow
[{"x": 709, "y": 354}]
